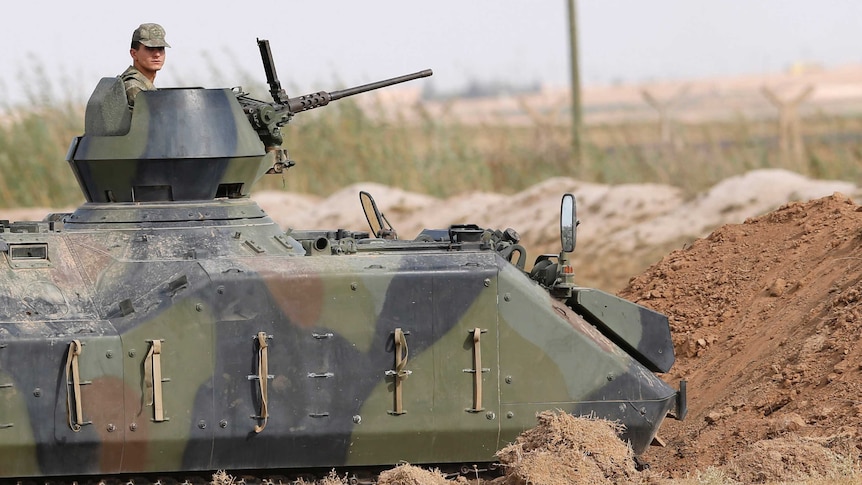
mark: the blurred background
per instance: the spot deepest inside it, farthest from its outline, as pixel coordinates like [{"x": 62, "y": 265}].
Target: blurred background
[
  {"x": 482, "y": 42},
  {"x": 678, "y": 92}
]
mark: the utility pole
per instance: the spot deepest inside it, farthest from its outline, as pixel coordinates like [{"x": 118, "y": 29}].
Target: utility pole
[{"x": 577, "y": 119}]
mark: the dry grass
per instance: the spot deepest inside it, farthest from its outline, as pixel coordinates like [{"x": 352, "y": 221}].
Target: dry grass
[
  {"x": 419, "y": 150},
  {"x": 563, "y": 449}
]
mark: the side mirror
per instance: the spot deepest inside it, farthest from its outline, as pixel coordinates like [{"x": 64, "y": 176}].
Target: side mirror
[
  {"x": 568, "y": 223},
  {"x": 372, "y": 214},
  {"x": 380, "y": 227}
]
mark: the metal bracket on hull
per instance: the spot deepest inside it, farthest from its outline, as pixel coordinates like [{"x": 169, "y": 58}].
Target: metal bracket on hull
[
  {"x": 400, "y": 372},
  {"x": 73, "y": 388},
  {"x": 262, "y": 377},
  {"x": 5, "y": 386},
  {"x": 681, "y": 401},
  {"x": 153, "y": 380},
  {"x": 477, "y": 371}
]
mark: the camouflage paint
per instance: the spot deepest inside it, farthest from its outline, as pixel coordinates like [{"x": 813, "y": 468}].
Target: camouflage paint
[
  {"x": 190, "y": 140},
  {"x": 205, "y": 276}
]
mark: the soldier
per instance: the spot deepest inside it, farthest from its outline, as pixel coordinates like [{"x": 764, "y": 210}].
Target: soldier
[{"x": 148, "y": 57}]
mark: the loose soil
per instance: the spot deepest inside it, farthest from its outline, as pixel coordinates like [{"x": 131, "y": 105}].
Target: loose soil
[
  {"x": 766, "y": 318},
  {"x": 564, "y": 449}
]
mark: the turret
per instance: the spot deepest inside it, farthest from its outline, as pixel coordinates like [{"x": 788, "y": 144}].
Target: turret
[
  {"x": 177, "y": 145},
  {"x": 188, "y": 144}
]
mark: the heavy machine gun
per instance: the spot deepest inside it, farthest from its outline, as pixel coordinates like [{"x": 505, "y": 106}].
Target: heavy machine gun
[{"x": 267, "y": 118}]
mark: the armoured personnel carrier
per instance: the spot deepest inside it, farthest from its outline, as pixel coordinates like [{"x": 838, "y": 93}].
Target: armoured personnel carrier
[{"x": 169, "y": 327}]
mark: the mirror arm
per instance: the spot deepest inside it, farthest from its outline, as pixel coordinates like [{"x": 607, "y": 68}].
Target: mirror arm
[{"x": 565, "y": 282}]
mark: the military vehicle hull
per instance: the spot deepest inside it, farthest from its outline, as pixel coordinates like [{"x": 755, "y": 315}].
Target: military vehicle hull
[
  {"x": 207, "y": 289},
  {"x": 168, "y": 325}
]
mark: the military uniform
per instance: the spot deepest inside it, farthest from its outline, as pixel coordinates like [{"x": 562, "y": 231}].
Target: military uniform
[
  {"x": 150, "y": 35},
  {"x": 135, "y": 82}
]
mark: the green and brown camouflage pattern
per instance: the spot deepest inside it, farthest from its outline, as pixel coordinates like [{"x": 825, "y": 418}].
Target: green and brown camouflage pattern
[
  {"x": 180, "y": 145},
  {"x": 193, "y": 287}
]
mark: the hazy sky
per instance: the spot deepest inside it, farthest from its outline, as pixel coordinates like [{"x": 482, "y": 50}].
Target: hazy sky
[{"x": 328, "y": 44}]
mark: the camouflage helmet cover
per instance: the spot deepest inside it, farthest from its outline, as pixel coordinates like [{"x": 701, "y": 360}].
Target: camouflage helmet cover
[{"x": 150, "y": 35}]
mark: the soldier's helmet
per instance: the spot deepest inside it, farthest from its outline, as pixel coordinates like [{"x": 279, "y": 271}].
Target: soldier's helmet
[{"x": 150, "y": 35}]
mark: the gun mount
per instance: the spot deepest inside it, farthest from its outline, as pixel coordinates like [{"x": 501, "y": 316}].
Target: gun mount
[
  {"x": 189, "y": 143},
  {"x": 268, "y": 118}
]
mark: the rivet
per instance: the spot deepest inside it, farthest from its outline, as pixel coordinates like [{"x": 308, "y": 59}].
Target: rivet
[
  {"x": 132, "y": 353},
  {"x": 510, "y": 415},
  {"x": 508, "y": 379},
  {"x": 111, "y": 428},
  {"x": 507, "y": 297},
  {"x": 223, "y": 423},
  {"x": 220, "y": 290},
  {"x": 610, "y": 377},
  {"x": 109, "y": 354},
  {"x": 198, "y": 307},
  {"x": 133, "y": 427},
  {"x": 357, "y": 419},
  {"x": 487, "y": 282},
  {"x": 202, "y": 424},
  {"x": 490, "y": 415},
  {"x": 37, "y": 392},
  {"x": 354, "y": 286}
]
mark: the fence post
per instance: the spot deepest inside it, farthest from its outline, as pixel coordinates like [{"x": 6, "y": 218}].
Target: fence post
[
  {"x": 663, "y": 109},
  {"x": 790, "y": 144}
]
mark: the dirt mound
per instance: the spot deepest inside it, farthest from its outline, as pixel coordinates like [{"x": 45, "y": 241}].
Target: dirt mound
[
  {"x": 791, "y": 459},
  {"x": 766, "y": 318},
  {"x": 623, "y": 227},
  {"x": 563, "y": 449},
  {"x": 412, "y": 475}
]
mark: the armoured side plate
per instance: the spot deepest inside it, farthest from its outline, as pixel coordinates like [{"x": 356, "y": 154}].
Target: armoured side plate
[{"x": 642, "y": 332}]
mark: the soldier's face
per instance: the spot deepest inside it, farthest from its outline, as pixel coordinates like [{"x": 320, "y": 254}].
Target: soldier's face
[{"x": 148, "y": 59}]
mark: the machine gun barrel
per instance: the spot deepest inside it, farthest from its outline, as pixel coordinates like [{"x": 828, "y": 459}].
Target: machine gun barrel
[
  {"x": 379, "y": 84},
  {"x": 268, "y": 118},
  {"x": 322, "y": 98}
]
